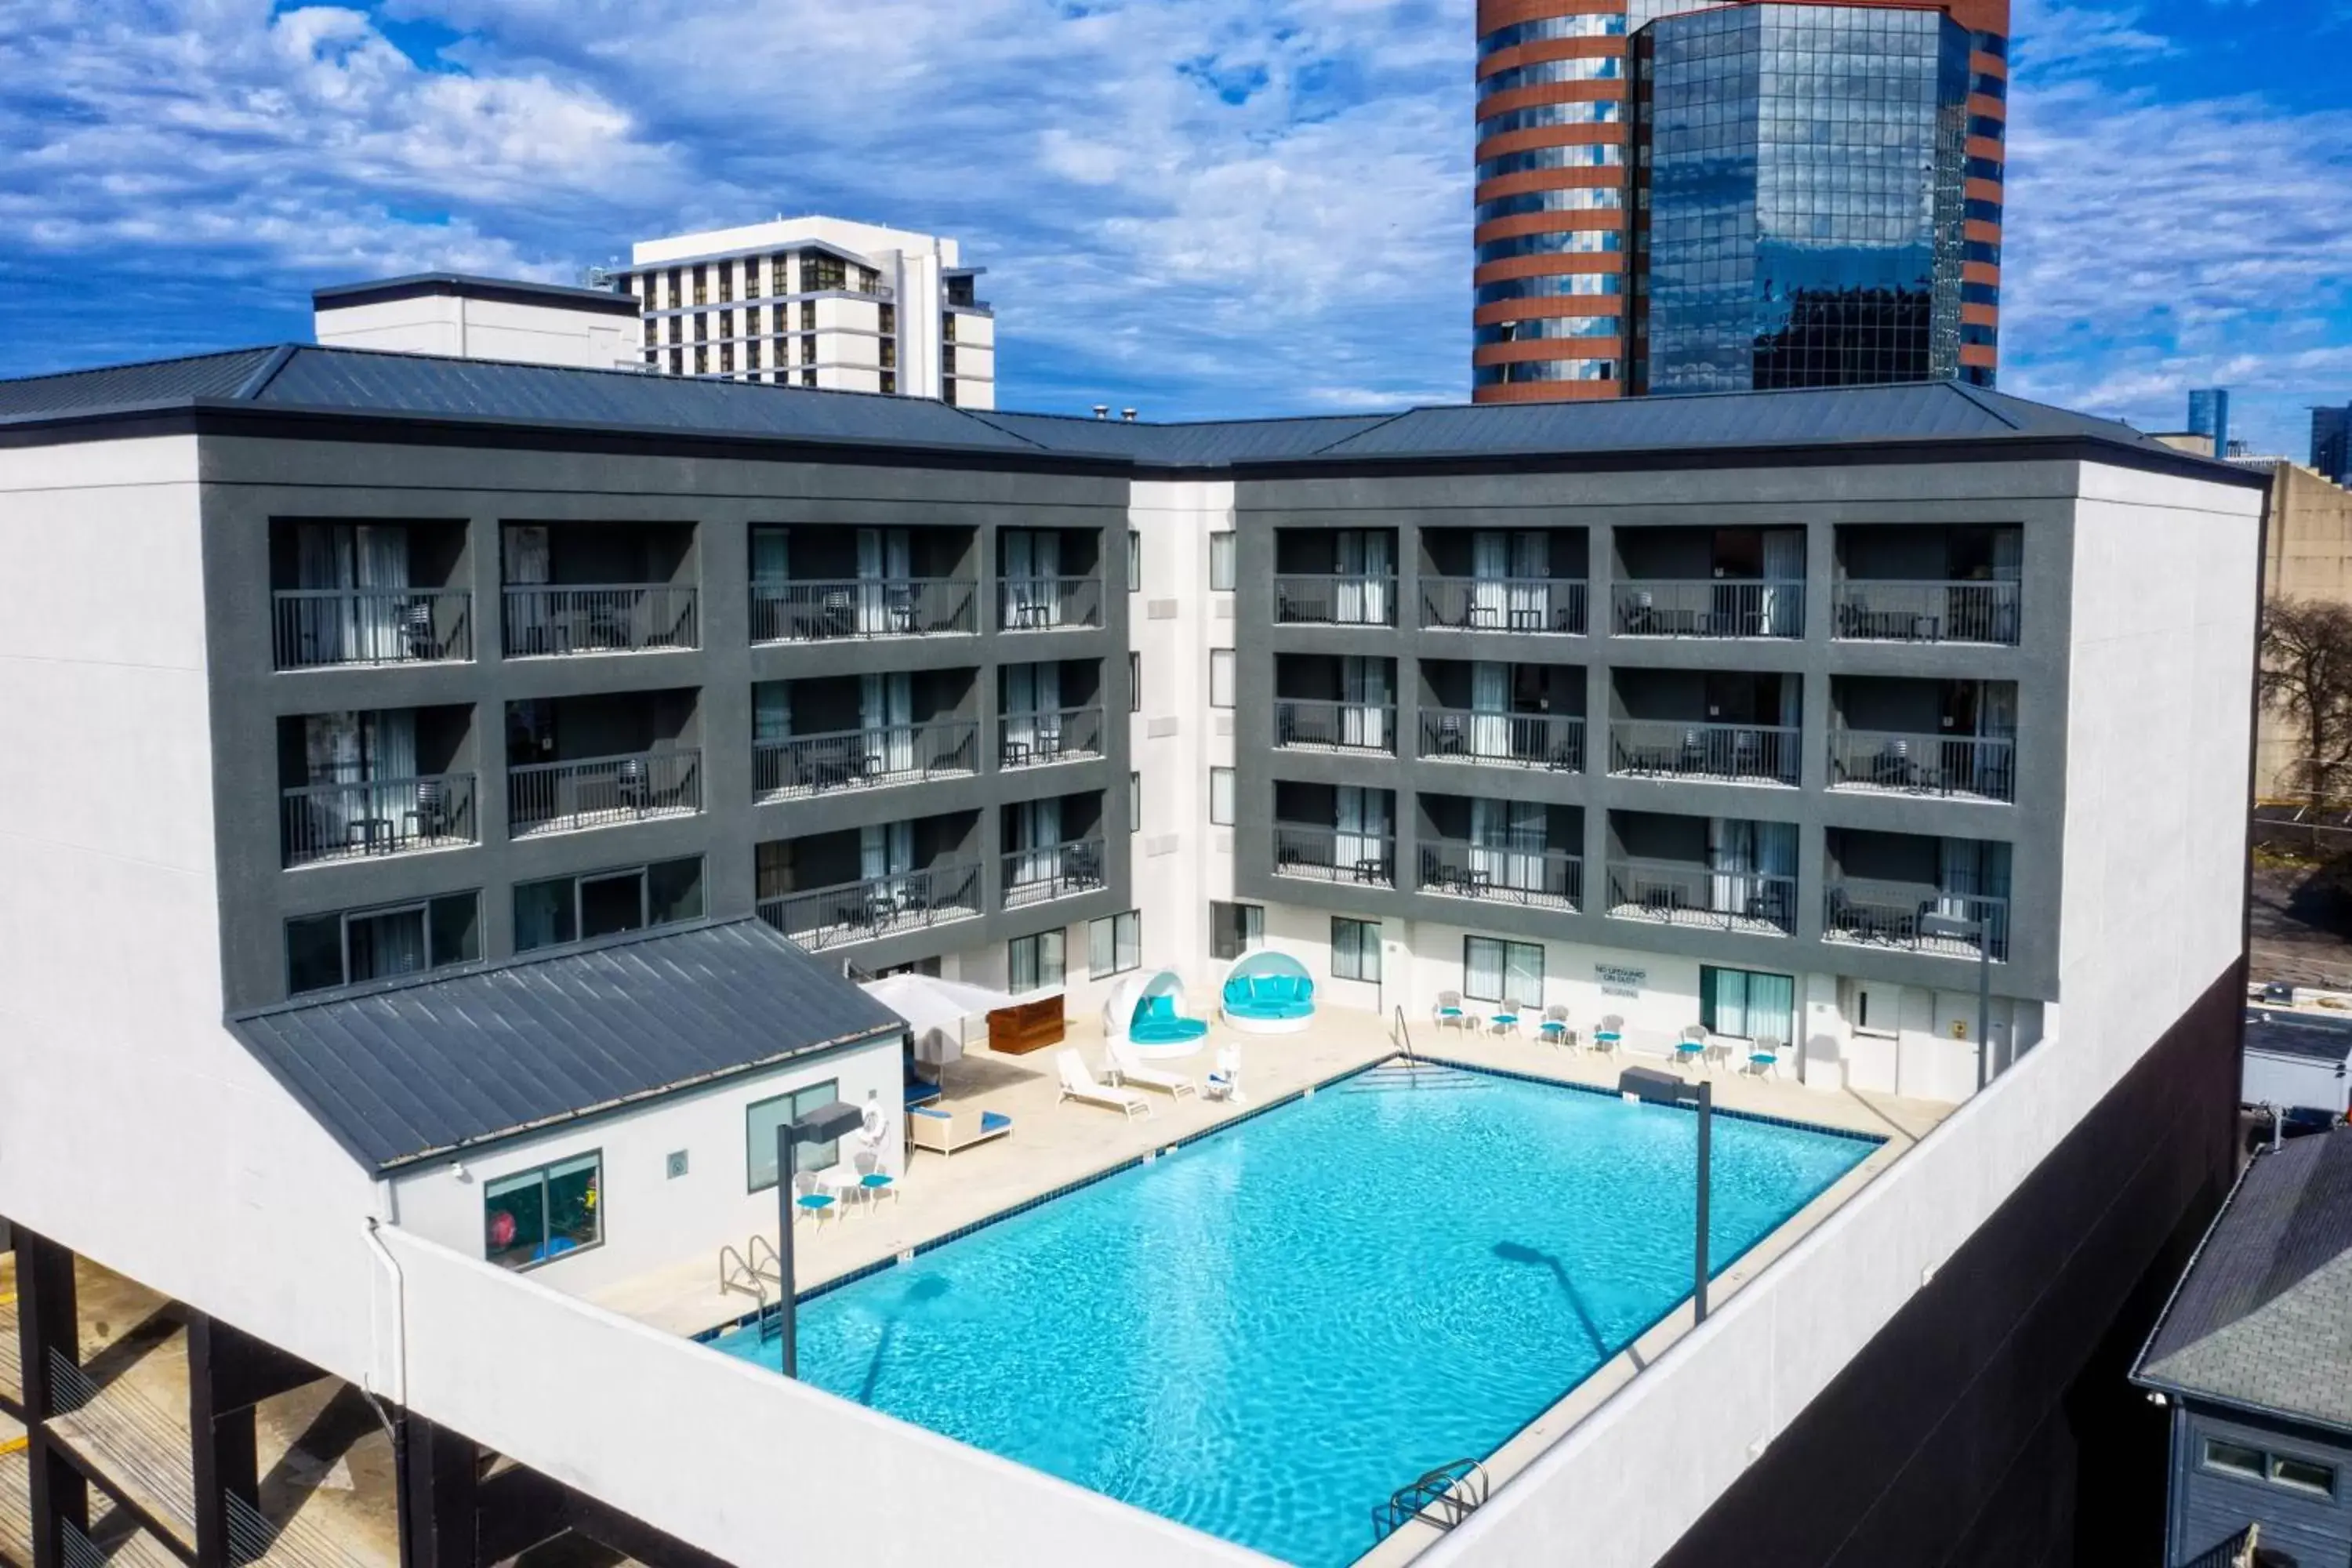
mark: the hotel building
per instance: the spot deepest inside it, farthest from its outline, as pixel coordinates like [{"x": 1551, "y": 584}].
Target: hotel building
[{"x": 456, "y": 785}]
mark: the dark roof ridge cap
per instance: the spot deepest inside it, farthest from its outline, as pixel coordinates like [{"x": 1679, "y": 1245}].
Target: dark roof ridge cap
[
  {"x": 144, "y": 364},
  {"x": 1381, "y": 424},
  {"x": 1975, "y": 394},
  {"x": 982, "y": 415},
  {"x": 253, "y": 386}
]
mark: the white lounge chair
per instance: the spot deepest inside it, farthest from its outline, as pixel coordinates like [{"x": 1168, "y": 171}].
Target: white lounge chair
[
  {"x": 1134, "y": 1069},
  {"x": 1080, "y": 1084}
]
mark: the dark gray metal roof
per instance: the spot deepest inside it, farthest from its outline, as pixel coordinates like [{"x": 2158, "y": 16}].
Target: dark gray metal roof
[
  {"x": 1747, "y": 426},
  {"x": 2263, "y": 1320},
  {"x": 474, "y": 286},
  {"x": 129, "y": 385},
  {"x": 440, "y": 1065},
  {"x": 2298, "y": 1035}
]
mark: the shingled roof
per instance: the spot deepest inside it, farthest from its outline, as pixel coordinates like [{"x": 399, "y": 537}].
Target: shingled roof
[
  {"x": 2263, "y": 1320},
  {"x": 449, "y": 393}
]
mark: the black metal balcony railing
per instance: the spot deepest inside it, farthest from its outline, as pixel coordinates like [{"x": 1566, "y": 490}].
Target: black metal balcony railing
[
  {"x": 1983, "y": 610},
  {"x": 1048, "y": 604},
  {"x": 1710, "y": 607},
  {"x": 1053, "y": 871},
  {"x": 1674, "y": 893},
  {"x": 1554, "y": 741},
  {"x": 1327, "y": 855},
  {"x": 1915, "y": 919},
  {"x": 864, "y": 607},
  {"x": 1504, "y": 604},
  {"x": 603, "y": 618},
  {"x": 1315, "y": 726},
  {"x": 1333, "y": 599},
  {"x": 1980, "y": 767},
  {"x": 1539, "y": 879},
  {"x": 1053, "y": 735},
  {"x": 1739, "y": 753},
  {"x": 804, "y": 766},
  {"x": 557, "y": 797},
  {"x": 316, "y": 627},
  {"x": 378, "y": 816},
  {"x": 877, "y": 905}
]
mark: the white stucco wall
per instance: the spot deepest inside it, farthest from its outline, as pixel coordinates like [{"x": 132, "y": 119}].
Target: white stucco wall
[
  {"x": 652, "y": 1221},
  {"x": 2154, "y": 874},
  {"x": 134, "y": 1128},
  {"x": 459, "y": 328}
]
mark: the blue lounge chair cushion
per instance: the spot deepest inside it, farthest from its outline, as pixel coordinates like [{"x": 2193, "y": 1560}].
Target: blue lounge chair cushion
[
  {"x": 813, "y": 1201},
  {"x": 1270, "y": 997},
  {"x": 991, "y": 1120},
  {"x": 1166, "y": 1031}
]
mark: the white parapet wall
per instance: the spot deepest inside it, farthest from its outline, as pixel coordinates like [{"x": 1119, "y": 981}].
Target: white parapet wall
[{"x": 731, "y": 1456}]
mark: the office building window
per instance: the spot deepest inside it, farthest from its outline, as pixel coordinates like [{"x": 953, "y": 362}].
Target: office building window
[
  {"x": 726, "y": 359},
  {"x": 808, "y": 378},
  {"x": 1355, "y": 950},
  {"x": 1236, "y": 929},
  {"x": 1134, "y": 561},
  {"x": 808, "y": 315},
  {"x": 779, "y": 280},
  {"x": 1115, "y": 945},
  {"x": 1221, "y": 678},
  {"x": 889, "y": 317},
  {"x": 678, "y": 362},
  {"x": 351, "y": 947},
  {"x": 701, "y": 286},
  {"x": 760, "y": 1121},
  {"x": 1748, "y": 1005},
  {"x": 1135, "y": 683},
  {"x": 538, "y": 1216},
  {"x": 604, "y": 903},
  {"x": 701, "y": 360},
  {"x": 1222, "y": 557},
  {"x": 1221, "y": 796},
  {"x": 1495, "y": 971},
  {"x": 1135, "y": 803},
  {"x": 890, "y": 381},
  {"x": 1033, "y": 962}
]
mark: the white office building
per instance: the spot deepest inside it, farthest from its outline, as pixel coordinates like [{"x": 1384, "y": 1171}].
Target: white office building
[{"x": 817, "y": 301}]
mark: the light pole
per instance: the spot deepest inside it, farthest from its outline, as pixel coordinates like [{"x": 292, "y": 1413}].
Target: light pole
[
  {"x": 1961, "y": 927},
  {"x": 1656, "y": 1088},
  {"x": 826, "y": 1125}
]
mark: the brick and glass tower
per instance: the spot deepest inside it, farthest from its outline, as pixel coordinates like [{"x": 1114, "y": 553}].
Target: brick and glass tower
[{"x": 1680, "y": 196}]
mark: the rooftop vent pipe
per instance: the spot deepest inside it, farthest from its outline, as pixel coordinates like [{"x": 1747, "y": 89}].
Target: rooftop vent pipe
[
  {"x": 1102, "y": 410},
  {"x": 1128, "y": 415}
]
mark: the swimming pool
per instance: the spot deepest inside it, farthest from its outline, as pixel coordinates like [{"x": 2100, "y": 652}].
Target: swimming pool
[{"x": 1265, "y": 1334}]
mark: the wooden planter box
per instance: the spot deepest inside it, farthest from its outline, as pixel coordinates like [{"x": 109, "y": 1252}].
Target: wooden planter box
[{"x": 1026, "y": 1027}]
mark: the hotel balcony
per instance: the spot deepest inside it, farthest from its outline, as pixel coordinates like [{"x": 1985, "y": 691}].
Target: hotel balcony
[
  {"x": 1931, "y": 583},
  {"x": 576, "y": 763},
  {"x": 828, "y": 583},
  {"x": 1723, "y": 726},
  {"x": 1524, "y": 853},
  {"x": 1709, "y": 582},
  {"x": 1506, "y": 715},
  {"x": 843, "y": 732},
  {"x": 1948, "y": 896},
  {"x": 1335, "y": 576},
  {"x": 1049, "y": 713},
  {"x": 1956, "y": 739},
  {"x": 1334, "y": 832},
  {"x": 1719, "y": 874},
  {"x": 1057, "y": 850},
  {"x": 1495, "y": 580},
  {"x": 590, "y": 589},
  {"x": 391, "y": 782},
  {"x": 1323, "y": 704},
  {"x": 1048, "y": 579},
  {"x": 862, "y": 884},
  {"x": 368, "y": 593}
]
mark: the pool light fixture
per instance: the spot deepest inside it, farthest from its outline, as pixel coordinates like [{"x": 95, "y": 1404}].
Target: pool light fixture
[
  {"x": 826, "y": 1125},
  {"x": 1654, "y": 1088}
]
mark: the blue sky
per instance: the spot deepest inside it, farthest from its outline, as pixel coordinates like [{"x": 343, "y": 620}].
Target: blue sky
[{"x": 1194, "y": 207}]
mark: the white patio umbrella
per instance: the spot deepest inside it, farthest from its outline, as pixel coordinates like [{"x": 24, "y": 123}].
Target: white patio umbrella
[{"x": 936, "y": 1010}]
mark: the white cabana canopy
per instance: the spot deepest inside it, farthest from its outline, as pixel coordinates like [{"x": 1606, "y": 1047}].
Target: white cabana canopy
[{"x": 936, "y": 1010}]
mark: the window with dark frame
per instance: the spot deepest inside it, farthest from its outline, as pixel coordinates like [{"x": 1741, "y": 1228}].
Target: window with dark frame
[
  {"x": 760, "y": 1120},
  {"x": 1223, "y": 557},
  {"x": 1236, "y": 929},
  {"x": 544, "y": 1213},
  {"x": 1497, "y": 970},
  {"x": 1114, "y": 944},
  {"x": 1135, "y": 683},
  {"x": 383, "y": 942},
  {"x": 560, "y": 910},
  {"x": 1355, "y": 950},
  {"x": 2247, "y": 1463},
  {"x": 1135, "y": 803},
  {"x": 1035, "y": 962},
  {"x": 1134, "y": 561}
]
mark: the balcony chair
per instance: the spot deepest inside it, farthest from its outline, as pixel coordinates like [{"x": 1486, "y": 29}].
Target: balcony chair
[
  {"x": 1449, "y": 1013},
  {"x": 1554, "y": 1028},
  {"x": 1764, "y": 1056},
  {"x": 1692, "y": 1046},
  {"x": 1610, "y": 1032}
]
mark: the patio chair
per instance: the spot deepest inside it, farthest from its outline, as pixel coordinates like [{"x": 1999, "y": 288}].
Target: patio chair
[
  {"x": 1449, "y": 1010},
  {"x": 1692, "y": 1046},
  {"x": 1764, "y": 1056},
  {"x": 1080, "y": 1084},
  {"x": 1132, "y": 1068},
  {"x": 875, "y": 1182},
  {"x": 811, "y": 1205},
  {"x": 1612, "y": 1030},
  {"x": 1554, "y": 1027}
]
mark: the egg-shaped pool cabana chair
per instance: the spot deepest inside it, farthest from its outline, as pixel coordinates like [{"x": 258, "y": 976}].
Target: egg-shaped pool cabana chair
[
  {"x": 1268, "y": 993},
  {"x": 1148, "y": 1012}
]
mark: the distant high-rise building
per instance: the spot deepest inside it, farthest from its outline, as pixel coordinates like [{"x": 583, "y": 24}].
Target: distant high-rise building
[
  {"x": 817, "y": 301},
  {"x": 1676, "y": 196},
  {"x": 2208, "y": 415},
  {"x": 2331, "y": 442}
]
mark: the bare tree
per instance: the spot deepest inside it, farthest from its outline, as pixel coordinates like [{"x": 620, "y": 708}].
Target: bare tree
[{"x": 2306, "y": 676}]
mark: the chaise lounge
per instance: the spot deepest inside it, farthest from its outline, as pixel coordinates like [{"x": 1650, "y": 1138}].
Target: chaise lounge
[{"x": 1268, "y": 993}]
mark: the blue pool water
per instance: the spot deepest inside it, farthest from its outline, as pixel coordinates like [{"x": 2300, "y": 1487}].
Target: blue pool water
[{"x": 1265, "y": 1334}]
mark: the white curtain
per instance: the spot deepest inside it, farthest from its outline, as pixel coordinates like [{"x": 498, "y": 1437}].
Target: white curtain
[
  {"x": 885, "y": 710},
  {"x": 1482, "y": 968},
  {"x": 1363, "y": 824},
  {"x": 381, "y": 553},
  {"x": 1490, "y": 562},
  {"x": 1531, "y": 592},
  {"x": 1376, "y": 568},
  {"x": 369, "y": 557},
  {"x": 1784, "y": 575},
  {"x": 1490, "y": 707},
  {"x": 771, "y": 555},
  {"x": 1507, "y": 841},
  {"x": 886, "y": 849},
  {"x": 529, "y": 561},
  {"x": 1748, "y": 1006},
  {"x": 883, "y": 560},
  {"x": 1731, "y": 857},
  {"x": 1364, "y": 686},
  {"x": 1037, "y": 837},
  {"x": 1348, "y": 557},
  {"x": 772, "y": 711},
  {"x": 387, "y": 945}
]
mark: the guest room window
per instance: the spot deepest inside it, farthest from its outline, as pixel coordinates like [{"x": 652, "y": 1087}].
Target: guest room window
[
  {"x": 760, "y": 1121},
  {"x": 538, "y": 1216}
]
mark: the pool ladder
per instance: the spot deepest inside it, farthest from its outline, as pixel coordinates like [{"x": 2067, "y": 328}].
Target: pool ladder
[
  {"x": 742, "y": 1272},
  {"x": 1400, "y": 1037},
  {"x": 1441, "y": 1498}
]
